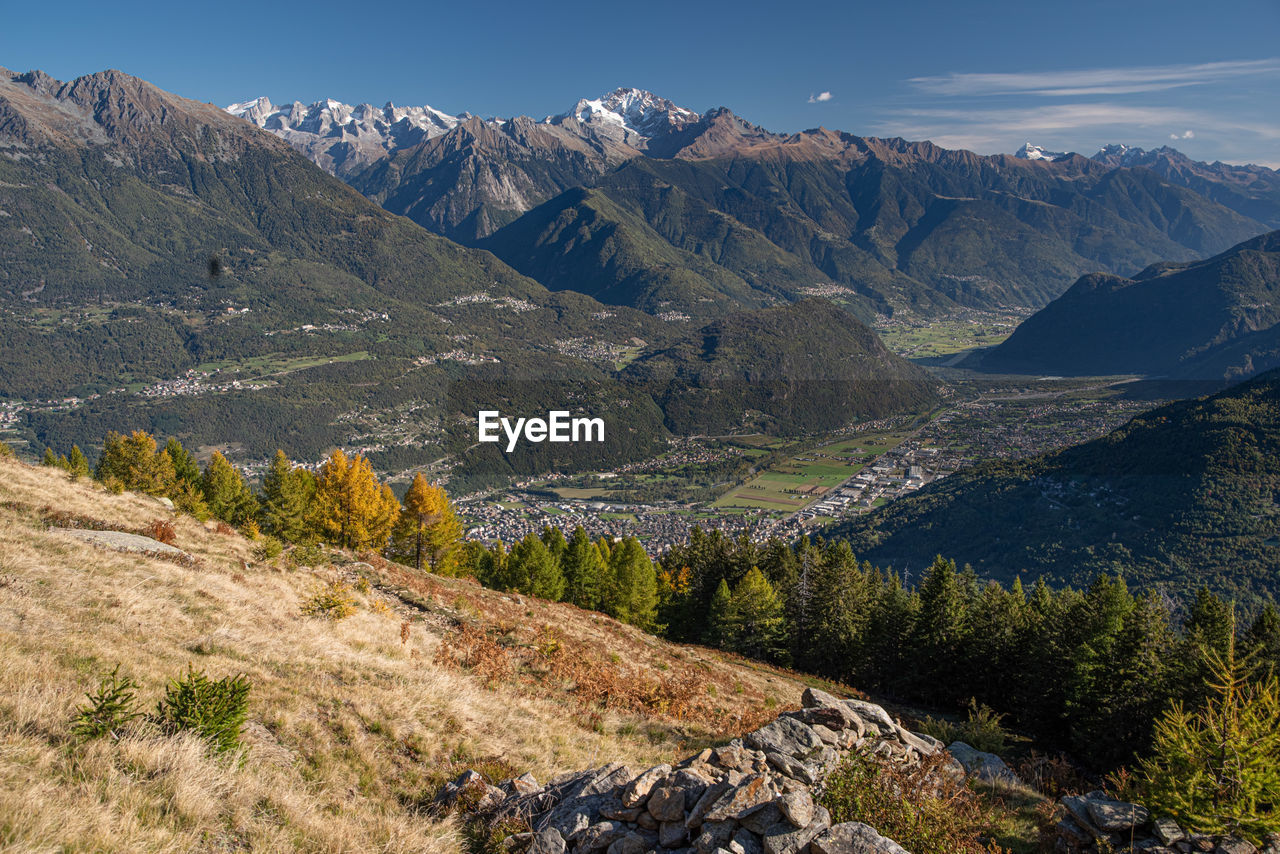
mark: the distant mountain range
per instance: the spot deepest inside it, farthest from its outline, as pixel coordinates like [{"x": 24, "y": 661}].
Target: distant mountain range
[
  {"x": 148, "y": 243},
  {"x": 886, "y": 225},
  {"x": 1252, "y": 191},
  {"x": 1211, "y": 319},
  {"x": 1183, "y": 495}
]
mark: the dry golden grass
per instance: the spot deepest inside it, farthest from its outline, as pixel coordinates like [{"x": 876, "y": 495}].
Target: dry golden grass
[{"x": 352, "y": 724}]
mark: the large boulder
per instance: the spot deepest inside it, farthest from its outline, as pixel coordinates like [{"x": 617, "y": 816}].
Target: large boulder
[
  {"x": 981, "y": 765},
  {"x": 785, "y": 735},
  {"x": 854, "y": 837}
]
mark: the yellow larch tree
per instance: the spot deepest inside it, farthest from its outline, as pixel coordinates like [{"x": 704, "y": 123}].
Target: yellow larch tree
[{"x": 352, "y": 509}]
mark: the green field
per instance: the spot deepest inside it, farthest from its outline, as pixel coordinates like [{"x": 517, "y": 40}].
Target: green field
[
  {"x": 789, "y": 485},
  {"x": 946, "y": 337}
]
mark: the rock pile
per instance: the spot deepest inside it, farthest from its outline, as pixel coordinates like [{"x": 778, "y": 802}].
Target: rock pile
[
  {"x": 1096, "y": 823},
  {"x": 755, "y": 795}
]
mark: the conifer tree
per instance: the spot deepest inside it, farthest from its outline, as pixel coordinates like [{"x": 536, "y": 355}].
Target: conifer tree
[
  {"x": 1262, "y": 641},
  {"x": 185, "y": 467},
  {"x": 1214, "y": 769},
  {"x": 225, "y": 492},
  {"x": 553, "y": 539},
  {"x": 351, "y": 509},
  {"x": 720, "y": 617},
  {"x": 756, "y": 624},
  {"x": 287, "y": 493},
  {"x": 77, "y": 465},
  {"x": 49, "y": 458},
  {"x": 187, "y": 490},
  {"x": 427, "y": 530},
  {"x": 631, "y": 589},
  {"x": 582, "y": 566},
  {"x": 133, "y": 462},
  {"x": 535, "y": 569}
]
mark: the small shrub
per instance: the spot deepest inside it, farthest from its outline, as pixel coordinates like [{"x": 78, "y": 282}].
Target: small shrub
[
  {"x": 251, "y": 530},
  {"x": 923, "y": 809},
  {"x": 404, "y": 632},
  {"x": 332, "y": 600},
  {"x": 112, "y": 706},
  {"x": 224, "y": 529},
  {"x": 306, "y": 554},
  {"x": 268, "y": 548},
  {"x": 214, "y": 710},
  {"x": 161, "y": 530},
  {"x": 362, "y": 585},
  {"x": 982, "y": 729},
  {"x": 6, "y": 452}
]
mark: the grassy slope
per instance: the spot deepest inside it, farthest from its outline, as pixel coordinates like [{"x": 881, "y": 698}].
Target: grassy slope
[{"x": 348, "y": 729}]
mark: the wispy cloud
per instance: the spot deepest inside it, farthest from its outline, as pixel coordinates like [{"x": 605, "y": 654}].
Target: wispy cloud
[
  {"x": 821, "y": 96},
  {"x": 1093, "y": 81}
]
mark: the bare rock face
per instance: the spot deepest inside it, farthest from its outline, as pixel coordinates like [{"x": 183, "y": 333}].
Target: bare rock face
[{"x": 754, "y": 795}]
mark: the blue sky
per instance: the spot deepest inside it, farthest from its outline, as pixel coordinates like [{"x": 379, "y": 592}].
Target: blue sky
[{"x": 981, "y": 74}]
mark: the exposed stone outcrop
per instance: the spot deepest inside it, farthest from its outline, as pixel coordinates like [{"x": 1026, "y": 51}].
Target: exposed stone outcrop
[{"x": 755, "y": 795}]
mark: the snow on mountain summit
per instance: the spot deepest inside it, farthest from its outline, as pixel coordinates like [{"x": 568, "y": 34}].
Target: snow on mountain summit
[
  {"x": 627, "y": 112},
  {"x": 341, "y": 137},
  {"x": 1035, "y": 152}
]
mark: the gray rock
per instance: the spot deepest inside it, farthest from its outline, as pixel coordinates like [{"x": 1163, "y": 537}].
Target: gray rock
[
  {"x": 632, "y": 843},
  {"x": 731, "y": 757},
  {"x": 667, "y": 804},
  {"x": 601, "y": 835},
  {"x": 1116, "y": 816},
  {"x": 704, "y": 803},
  {"x": 747, "y": 842},
  {"x": 606, "y": 779},
  {"x": 525, "y": 784},
  {"x": 854, "y": 837},
  {"x": 789, "y": 767},
  {"x": 785, "y": 735},
  {"x": 1231, "y": 845},
  {"x": 120, "y": 541},
  {"x": 672, "y": 834},
  {"x": 829, "y": 736},
  {"x": 981, "y": 765},
  {"x": 923, "y": 747},
  {"x": 872, "y": 714},
  {"x": 548, "y": 841},
  {"x": 612, "y": 808},
  {"x": 1167, "y": 831},
  {"x": 637, "y": 791},
  {"x": 784, "y": 838},
  {"x": 798, "y": 808},
  {"x": 715, "y": 834},
  {"x": 647, "y": 821},
  {"x": 755, "y": 790},
  {"x": 761, "y": 818}
]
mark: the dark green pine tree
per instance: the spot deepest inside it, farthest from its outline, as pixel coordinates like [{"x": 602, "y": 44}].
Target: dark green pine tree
[
  {"x": 758, "y": 622},
  {"x": 720, "y": 617},
  {"x": 553, "y": 539},
  {"x": 535, "y": 569},
  {"x": 1096, "y": 623},
  {"x": 287, "y": 493},
  {"x": 938, "y": 635},
  {"x": 582, "y": 565},
  {"x": 1262, "y": 641},
  {"x": 1209, "y": 631},
  {"x": 49, "y": 459}
]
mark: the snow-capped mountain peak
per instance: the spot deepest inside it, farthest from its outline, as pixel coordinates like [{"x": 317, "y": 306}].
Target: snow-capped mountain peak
[
  {"x": 626, "y": 111},
  {"x": 1035, "y": 152},
  {"x": 341, "y": 137}
]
